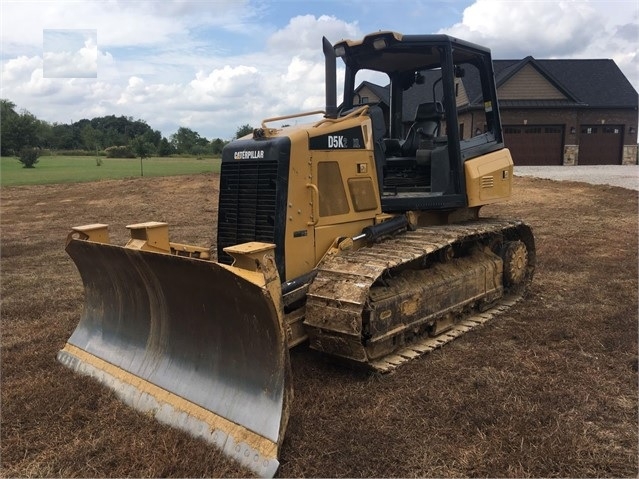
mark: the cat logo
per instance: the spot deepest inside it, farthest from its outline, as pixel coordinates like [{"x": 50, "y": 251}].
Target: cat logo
[{"x": 248, "y": 154}]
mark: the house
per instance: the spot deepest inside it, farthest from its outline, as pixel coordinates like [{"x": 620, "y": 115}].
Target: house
[{"x": 553, "y": 112}]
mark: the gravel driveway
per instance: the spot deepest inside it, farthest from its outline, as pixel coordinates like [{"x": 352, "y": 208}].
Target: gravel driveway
[{"x": 616, "y": 175}]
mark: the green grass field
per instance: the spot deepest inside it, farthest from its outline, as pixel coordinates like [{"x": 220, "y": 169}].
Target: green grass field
[{"x": 76, "y": 169}]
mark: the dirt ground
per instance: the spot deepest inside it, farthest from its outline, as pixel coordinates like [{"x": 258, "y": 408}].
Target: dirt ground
[{"x": 547, "y": 389}]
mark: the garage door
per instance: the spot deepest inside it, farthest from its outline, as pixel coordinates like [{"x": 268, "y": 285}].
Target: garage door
[
  {"x": 600, "y": 145},
  {"x": 535, "y": 144}
]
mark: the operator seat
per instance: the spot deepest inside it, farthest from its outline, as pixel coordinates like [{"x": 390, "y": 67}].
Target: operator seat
[{"x": 428, "y": 117}]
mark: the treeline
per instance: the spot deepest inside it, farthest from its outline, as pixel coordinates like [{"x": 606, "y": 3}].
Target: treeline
[{"x": 110, "y": 135}]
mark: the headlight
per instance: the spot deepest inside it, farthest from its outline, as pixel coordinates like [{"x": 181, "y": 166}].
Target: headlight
[{"x": 379, "y": 43}]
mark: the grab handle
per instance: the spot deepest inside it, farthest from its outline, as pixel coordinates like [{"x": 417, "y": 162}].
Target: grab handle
[{"x": 314, "y": 204}]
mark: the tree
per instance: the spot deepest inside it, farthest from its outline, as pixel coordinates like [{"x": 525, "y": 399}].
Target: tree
[
  {"x": 164, "y": 148},
  {"x": 121, "y": 130},
  {"x": 7, "y": 107},
  {"x": 91, "y": 137},
  {"x": 141, "y": 147},
  {"x": 7, "y": 117},
  {"x": 217, "y": 145},
  {"x": 153, "y": 136},
  {"x": 44, "y": 134},
  {"x": 62, "y": 136},
  {"x": 185, "y": 139},
  {"x": 19, "y": 132},
  {"x": 115, "y": 135},
  {"x": 243, "y": 131}
]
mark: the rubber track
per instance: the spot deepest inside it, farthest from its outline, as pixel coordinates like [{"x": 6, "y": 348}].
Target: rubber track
[{"x": 345, "y": 279}]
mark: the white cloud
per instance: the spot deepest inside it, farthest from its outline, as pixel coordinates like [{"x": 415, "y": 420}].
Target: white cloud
[
  {"x": 517, "y": 29},
  {"x": 19, "y": 69},
  {"x": 82, "y": 63},
  {"x": 119, "y": 23},
  {"x": 301, "y": 87},
  {"x": 25, "y": 74},
  {"x": 303, "y": 34},
  {"x": 225, "y": 85}
]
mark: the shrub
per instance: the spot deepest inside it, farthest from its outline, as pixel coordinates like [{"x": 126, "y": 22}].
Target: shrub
[
  {"x": 29, "y": 157},
  {"x": 119, "y": 152},
  {"x": 76, "y": 152}
]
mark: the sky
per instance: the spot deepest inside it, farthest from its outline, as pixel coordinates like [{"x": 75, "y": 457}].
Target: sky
[{"x": 215, "y": 65}]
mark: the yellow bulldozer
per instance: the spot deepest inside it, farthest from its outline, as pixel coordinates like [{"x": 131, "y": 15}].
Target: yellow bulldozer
[{"x": 358, "y": 232}]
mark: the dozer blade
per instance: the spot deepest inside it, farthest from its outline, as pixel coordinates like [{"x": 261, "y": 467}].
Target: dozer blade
[{"x": 198, "y": 344}]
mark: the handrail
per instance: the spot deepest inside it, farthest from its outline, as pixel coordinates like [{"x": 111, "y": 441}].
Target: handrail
[
  {"x": 286, "y": 117},
  {"x": 360, "y": 111}
]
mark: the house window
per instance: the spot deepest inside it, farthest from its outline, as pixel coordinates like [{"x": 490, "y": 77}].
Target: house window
[
  {"x": 363, "y": 100},
  {"x": 589, "y": 130}
]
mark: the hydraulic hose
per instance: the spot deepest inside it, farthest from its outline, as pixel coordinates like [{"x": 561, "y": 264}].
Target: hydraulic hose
[{"x": 385, "y": 228}]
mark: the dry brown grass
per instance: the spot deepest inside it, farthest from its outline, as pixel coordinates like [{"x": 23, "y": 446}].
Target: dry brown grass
[{"x": 548, "y": 389}]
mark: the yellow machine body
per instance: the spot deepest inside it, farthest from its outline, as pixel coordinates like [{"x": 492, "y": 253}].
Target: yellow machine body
[{"x": 359, "y": 232}]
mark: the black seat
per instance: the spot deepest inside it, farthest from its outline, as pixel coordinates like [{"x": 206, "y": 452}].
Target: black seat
[{"x": 428, "y": 117}]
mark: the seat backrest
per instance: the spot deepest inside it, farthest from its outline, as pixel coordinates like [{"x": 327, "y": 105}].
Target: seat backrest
[
  {"x": 428, "y": 117},
  {"x": 433, "y": 111}
]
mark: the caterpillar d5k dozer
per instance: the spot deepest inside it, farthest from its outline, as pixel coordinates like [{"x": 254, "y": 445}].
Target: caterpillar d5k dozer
[{"x": 359, "y": 232}]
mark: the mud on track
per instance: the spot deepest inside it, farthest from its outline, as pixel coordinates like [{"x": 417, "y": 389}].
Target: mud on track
[{"x": 547, "y": 389}]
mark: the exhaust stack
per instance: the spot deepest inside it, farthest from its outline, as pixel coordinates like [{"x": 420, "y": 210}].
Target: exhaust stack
[{"x": 331, "y": 78}]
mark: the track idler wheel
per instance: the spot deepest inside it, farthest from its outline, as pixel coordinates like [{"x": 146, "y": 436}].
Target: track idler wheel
[{"x": 515, "y": 257}]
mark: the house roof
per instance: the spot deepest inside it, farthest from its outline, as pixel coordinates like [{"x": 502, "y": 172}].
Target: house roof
[
  {"x": 382, "y": 92},
  {"x": 595, "y": 83}
]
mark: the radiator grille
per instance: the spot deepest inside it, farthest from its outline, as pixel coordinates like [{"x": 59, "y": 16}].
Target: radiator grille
[{"x": 247, "y": 204}]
